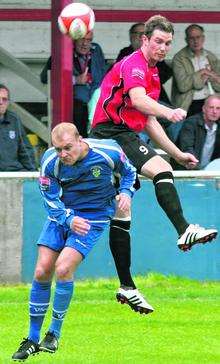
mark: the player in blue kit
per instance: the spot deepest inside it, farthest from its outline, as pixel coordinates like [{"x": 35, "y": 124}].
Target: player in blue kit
[{"x": 80, "y": 198}]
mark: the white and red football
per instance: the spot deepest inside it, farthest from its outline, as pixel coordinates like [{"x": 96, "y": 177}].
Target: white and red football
[{"x": 76, "y": 20}]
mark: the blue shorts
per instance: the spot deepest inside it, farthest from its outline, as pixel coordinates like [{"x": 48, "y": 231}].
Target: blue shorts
[{"x": 57, "y": 237}]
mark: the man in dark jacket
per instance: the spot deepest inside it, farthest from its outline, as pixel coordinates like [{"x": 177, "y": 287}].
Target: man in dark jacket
[
  {"x": 16, "y": 153},
  {"x": 200, "y": 134},
  {"x": 88, "y": 70}
]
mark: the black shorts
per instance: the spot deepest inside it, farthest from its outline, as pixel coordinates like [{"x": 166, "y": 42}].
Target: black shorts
[{"x": 134, "y": 147}]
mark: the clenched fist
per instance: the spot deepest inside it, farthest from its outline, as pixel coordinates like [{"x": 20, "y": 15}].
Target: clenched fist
[{"x": 176, "y": 115}]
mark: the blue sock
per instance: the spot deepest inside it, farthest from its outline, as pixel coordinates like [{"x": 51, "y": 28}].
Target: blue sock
[
  {"x": 62, "y": 297},
  {"x": 38, "y": 305}
]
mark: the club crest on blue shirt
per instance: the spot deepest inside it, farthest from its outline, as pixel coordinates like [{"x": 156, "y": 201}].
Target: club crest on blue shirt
[
  {"x": 96, "y": 171},
  {"x": 44, "y": 183},
  {"x": 11, "y": 134}
]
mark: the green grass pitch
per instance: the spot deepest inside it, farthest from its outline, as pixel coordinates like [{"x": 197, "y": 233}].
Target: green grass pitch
[{"x": 184, "y": 328}]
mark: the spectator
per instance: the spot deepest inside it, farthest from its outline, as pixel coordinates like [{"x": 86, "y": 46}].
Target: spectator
[
  {"x": 16, "y": 153},
  {"x": 135, "y": 35},
  {"x": 165, "y": 72},
  {"x": 88, "y": 70},
  {"x": 200, "y": 134},
  {"x": 196, "y": 72}
]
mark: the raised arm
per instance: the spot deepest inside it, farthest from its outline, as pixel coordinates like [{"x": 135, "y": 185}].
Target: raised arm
[{"x": 149, "y": 106}]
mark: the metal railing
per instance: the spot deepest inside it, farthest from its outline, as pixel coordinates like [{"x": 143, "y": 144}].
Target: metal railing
[{"x": 177, "y": 174}]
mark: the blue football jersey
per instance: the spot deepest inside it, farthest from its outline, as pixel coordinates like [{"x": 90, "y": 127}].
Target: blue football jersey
[{"x": 87, "y": 186}]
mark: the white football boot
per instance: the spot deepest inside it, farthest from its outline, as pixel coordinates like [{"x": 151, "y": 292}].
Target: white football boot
[
  {"x": 195, "y": 234},
  {"x": 135, "y": 300}
]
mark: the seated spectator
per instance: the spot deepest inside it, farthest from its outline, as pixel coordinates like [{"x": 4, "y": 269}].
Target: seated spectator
[
  {"x": 88, "y": 70},
  {"x": 200, "y": 134},
  {"x": 165, "y": 72},
  {"x": 196, "y": 72},
  {"x": 16, "y": 152},
  {"x": 135, "y": 35}
]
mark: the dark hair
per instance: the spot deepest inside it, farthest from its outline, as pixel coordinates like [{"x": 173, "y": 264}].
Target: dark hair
[
  {"x": 5, "y": 88},
  {"x": 158, "y": 22},
  {"x": 193, "y": 26},
  {"x": 134, "y": 26}
]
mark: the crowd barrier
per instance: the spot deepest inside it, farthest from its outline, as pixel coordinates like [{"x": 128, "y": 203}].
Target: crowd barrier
[{"x": 153, "y": 238}]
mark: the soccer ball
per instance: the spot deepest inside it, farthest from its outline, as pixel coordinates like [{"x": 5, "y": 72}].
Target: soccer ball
[{"x": 76, "y": 20}]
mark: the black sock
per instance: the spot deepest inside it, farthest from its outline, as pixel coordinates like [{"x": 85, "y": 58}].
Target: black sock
[
  {"x": 119, "y": 241},
  {"x": 168, "y": 199}
]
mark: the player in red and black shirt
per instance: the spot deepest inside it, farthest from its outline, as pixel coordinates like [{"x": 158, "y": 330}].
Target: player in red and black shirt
[{"x": 127, "y": 105}]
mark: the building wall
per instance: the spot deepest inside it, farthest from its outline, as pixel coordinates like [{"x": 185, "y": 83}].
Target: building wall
[
  {"x": 153, "y": 238},
  {"x": 31, "y": 41},
  {"x": 11, "y": 226},
  {"x": 123, "y": 4}
]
